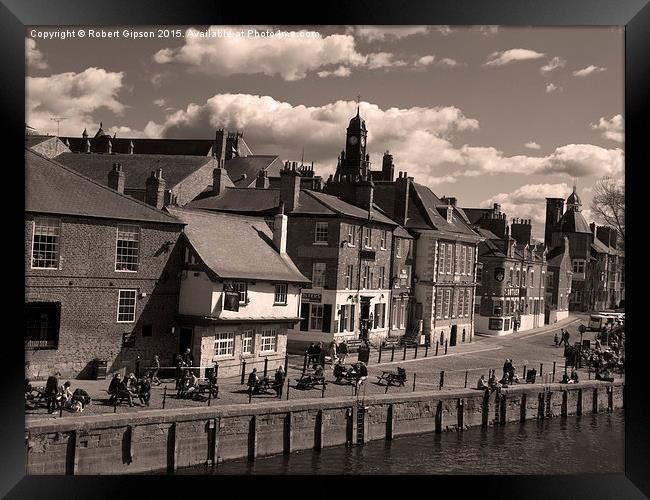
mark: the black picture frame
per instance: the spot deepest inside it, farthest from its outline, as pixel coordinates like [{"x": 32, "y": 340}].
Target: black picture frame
[{"x": 633, "y": 14}]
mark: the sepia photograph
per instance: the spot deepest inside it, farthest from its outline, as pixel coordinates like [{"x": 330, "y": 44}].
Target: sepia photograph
[{"x": 324, "y": 250}]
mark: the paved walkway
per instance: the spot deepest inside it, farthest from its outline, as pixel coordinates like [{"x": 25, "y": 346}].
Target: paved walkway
[{"x": 463, "y": 362}]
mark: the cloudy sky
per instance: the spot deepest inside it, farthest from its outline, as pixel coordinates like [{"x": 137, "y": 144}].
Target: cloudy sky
[{"x": 486, "y": 114}]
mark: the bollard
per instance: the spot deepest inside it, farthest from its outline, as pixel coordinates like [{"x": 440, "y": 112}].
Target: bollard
[
  {"x": 379, "y": 360},
  {"x": 553, "y": 377},
  {"x": 114, "y": 406},
  {"x": 164, "y": 396},
  {"x": 426, "y": 349},
  {"x": 404, "y": 357},
  {"x": 286, "y": 363},
  {"x": 525, "y": 374},
  {"x": 243, "y": 371},
  {"x": 466, "y": 372},
  {"x": 266, "y": 365},
  {"x": 416, "y": 351},
  {"x": 288, "y": 388},
  {"x": 437, "y": 342},
  {"x": 209, "y": 392},
  {"x": 414, "y": 375},
  {"x": 442, "y": 380},
  {"x": 541, "y": 367},
  {"x": 250, "y": 394},
  {"x": 446, "y": 344},
  {"x": 322, "y": 394},
  {"x": 216, "y": 372},
  {"x": 304, "y": 365},
  {"x": 392, "y": 353}
]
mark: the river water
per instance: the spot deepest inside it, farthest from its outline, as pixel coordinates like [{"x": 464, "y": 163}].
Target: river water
[{"x": 571, "y": 445}]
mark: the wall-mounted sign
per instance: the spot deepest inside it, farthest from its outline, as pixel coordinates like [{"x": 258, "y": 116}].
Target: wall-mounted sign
[
  {"x": 128, "y": 339},
  {"x": 231, "y": 301},
  {"x": 311, "y": 297},
  {"x": 367, "y": 255},
  {"x": 499, "y": 273}
]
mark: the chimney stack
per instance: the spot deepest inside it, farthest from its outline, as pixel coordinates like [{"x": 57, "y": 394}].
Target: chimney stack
[
  {"x": 387, "y": 167},
  {"x": 521, "y": 230},
  {"x": 262, "y": 180},
  {"x": 130, "y": 147},
  {"x": 280, "y": 223},
  {"x": 116, "y": 178},
  {"x": 289, "y": 187},
  {"x": 363, "y": 195},
  {"x": 219, "y": 147},
  {"x": 155, "y": 189},
  {"x": 219, "y": 180},
  {"x": 87, "y": 146},
  {"x": 402, "y": 192}
]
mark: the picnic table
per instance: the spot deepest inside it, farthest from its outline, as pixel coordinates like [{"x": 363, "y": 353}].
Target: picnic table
[{"x": 393, "y": 378}]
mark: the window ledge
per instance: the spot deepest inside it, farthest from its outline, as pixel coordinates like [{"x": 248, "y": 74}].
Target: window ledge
[
  {"x": 320, "y": 243},
  {"x": 279, "y": 303},
  {"x": 266, "y": 353},
  {"x": 223, "y": 357},
  {"x": 124, "y": 271}
]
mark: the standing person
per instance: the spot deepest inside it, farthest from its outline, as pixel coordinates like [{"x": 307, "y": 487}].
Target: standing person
[
  {"x": 332, "y": 349},
  {"x": 511, "y": 371},
  {"x": 188, "y": 359},
  {"x": 179, "y": 370},
  {"x": 279, "y": 381},
  {"x": 156, "y": 368},
  {"x": 566, "y": 338},
  {"x": 342, "y": 351},
  {"x": 321, "y": 354},
  {"x": 310, "y": 355},
  {"x": 253, "y": 380},
  {"x": 52, "y": 391},
  {"x": 555, "y": 339},
  {"x": 506, "y": 367}
]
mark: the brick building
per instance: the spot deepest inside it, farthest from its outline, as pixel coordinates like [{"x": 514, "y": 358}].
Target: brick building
[
  {"x": 101, "y": 274},
  {"x": 597, "y": 262},
  {"x": 238, "y": 254},
  {"x": 436, "y": 295},
  {"x": 559, "y": 275},
  {"x": 510, "y": 295}
]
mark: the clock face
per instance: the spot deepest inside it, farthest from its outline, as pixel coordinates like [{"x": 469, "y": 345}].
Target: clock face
[{"x": 352, "y": 140}]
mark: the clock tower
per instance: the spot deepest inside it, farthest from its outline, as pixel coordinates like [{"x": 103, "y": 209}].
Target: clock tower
[{"x": 354, "y": 163}]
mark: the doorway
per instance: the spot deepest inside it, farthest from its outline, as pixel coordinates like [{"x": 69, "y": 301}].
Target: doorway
[
  {"x": 364, "y": 312},
  {"x": 454, "y": 334},
  {"x": 185, "y": 340}
]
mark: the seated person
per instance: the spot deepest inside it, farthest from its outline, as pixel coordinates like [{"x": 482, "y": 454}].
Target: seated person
[
  {"x": 123, "y": 390},
  {"x": 131, "y": 382},
  {"x": 565, "y": 379},
  {"x": 493, "y": 384},
  {"x": 362, "y": 372},
  {"x": 604, "y": 375},
  {"x": 184, "y": 382},
  {"x": 339, "y": 371},
  {"x": 192, "y": 384},
  {"x": 481, "y": 384},
  {"x": 318, "y": 373},
  {"x": 112, "y": 387},
  {"x": 574, "y": 376},
  {"x": 253, "y": 380},
  {"x": 66, "y": 397},
  {"x": 82, "y": 397},
  {"x": 144, "y": 390}
]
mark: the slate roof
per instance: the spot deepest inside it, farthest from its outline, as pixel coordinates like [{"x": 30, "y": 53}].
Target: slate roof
[
  {"x": 242, "y": 200},
  {"x": 341, "y": 207},
  {"x": 34, "y": 140},
  {"x": 573, "y": 222},
  {"x": 251, "y": 165},
  {"x": 136, "y": 167},
  {"x": 429, "y": 204},
  {"x": 185, "y": 147},
  {"x": 236, "y": 246},
  {"x": 476, "y": 214},
  {"x": 55, "y": 189},
  {"x": 554, "y": 257}
]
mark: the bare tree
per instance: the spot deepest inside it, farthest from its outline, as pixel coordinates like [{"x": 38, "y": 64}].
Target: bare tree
[{"x": 608, "y": 204}]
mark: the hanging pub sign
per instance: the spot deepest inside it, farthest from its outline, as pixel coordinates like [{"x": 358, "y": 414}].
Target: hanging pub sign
[
  {"x": 499, "y": 273},
  {"x": 230, "y": 298},
  {"x": 128, "y": 339},
  {"x": 312, "y": 297}
]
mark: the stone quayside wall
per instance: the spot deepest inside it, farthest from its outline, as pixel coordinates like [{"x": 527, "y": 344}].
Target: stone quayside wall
[{"x": 167, "y": 439}]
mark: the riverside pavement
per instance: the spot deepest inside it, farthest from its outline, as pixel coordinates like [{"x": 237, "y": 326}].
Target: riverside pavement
[{"x": 530, "y": 349}]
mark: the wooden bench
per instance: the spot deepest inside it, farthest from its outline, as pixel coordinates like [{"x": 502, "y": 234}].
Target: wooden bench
[{"x": 393, "y": 378}]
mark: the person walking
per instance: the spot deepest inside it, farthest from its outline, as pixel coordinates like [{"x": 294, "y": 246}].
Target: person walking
[
  {"x": 310, "y": 355},
  {"x": 342, "y": 351},
  {"x": 321, "y": 354},
  {"x": 253, "y": 380},
  {"x": 279, "y": 381},
  {"x": 156, "y": 368},
  {"x": 332, "y": 352},
  {"x": 555, "y": 339},
  {"x": 179, "y": 370},
  {"x": 52, "y": 391}
]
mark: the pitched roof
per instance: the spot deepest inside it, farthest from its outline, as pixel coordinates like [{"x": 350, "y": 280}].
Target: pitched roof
[
  {"x": 136, "y": 167},
  {"x": 56, "y": 189},
  {"x": 250, "y": 166},
  {"x": 429, "y": 205},
  {"x": 236, "y": 246},
  {"x": 341, "y": 207},
  {"x": 476, "y": 214},
  {"x": 185, "y": 147},
  {"x": 246, "y": 200},
  {"x": 573, "y": 222},
  {"x": 34, "y": 140}
]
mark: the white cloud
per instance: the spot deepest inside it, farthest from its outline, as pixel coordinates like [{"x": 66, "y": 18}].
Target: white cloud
[
  {"x": 589, "y": 70},
  {"x": 161, "y": 103},
  {"x": 553, "y": 64},
  {"x": 34, "y": 58},
  {"x": 510, "y": 56},
  {"x": 451, "y": 63},
  {"x": 420, "y": 138},
  {"x": 73, "y": 96},
  {"x": 529, "y": 202},
  {"x": 380, "y": 33},
  {"x": 292, "y": 57},
  {"x": 551, "y": 87},
  {"x": 341, "y": 71},
  {"x": 611, "y": 129},
  {"x": 383, "y": 60},
  {"x": 532, "y": 145},
  {"x": 425, "y": 60}
]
